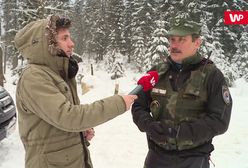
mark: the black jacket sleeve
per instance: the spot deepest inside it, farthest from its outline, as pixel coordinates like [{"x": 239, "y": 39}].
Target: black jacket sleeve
[
  {"x": 219, "y": 106},
  {"x": 141, "y": 111}
]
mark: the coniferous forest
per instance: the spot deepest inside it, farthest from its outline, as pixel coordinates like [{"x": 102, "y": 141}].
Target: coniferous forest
[{"x": 133, "y": 32}]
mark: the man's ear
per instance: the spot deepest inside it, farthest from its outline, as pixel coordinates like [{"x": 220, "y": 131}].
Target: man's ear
[{"x": 198, "y": 42}]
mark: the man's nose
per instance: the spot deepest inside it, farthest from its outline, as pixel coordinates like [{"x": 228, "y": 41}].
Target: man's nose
[
  {"x": 174, "y": 44},
  {"x": 71, "y": 43}
]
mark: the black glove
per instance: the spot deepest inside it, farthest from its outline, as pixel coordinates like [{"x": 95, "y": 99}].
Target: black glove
[
  {"x": 156, "y": 132},
  {"x": 160, "y": 132}
]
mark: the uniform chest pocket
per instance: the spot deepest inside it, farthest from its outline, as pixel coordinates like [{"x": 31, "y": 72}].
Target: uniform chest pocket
[
  {"x": 190, "y": 96},
  {"x": 194, "y": 84},
  {"x": 159, "y": 99}
]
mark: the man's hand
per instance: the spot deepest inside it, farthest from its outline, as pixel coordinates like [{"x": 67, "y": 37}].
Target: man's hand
[
  {"x": 89, "y": 134},
  {"x": 156, "y": 132},
  {"x": 160, "y": 132},
  {"x": 129, "y": 99}
]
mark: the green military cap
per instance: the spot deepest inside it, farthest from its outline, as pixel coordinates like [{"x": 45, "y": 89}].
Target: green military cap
[{"x": 183, "y": 25}]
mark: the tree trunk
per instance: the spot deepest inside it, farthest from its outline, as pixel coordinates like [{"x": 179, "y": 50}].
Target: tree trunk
[
  {"x": 91, "y": 69},
  {"x": 1, "y": 67}
]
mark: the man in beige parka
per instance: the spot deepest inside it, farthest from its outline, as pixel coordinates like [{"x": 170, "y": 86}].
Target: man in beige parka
[{"x": 52, "y": 123}]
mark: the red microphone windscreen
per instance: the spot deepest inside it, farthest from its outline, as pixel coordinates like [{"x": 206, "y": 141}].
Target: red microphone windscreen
[{"x": 149, "y": 80}]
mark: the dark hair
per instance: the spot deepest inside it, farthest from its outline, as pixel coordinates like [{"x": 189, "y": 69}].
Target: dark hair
[
  {"x": 195, "y": 36},
  {"x": 55, "y": 23},
  {"x": 63, "y": 23}
]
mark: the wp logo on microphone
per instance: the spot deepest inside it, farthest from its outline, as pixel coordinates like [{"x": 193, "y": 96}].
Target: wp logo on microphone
[{"x": 235, "y": 17}]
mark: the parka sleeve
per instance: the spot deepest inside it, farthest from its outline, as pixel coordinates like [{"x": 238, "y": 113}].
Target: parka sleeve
[
  {"x": 41, "y": 95},
  {"x": 219, "y": 106}
]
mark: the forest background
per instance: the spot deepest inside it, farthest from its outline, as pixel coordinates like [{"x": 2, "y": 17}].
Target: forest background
[{"x": 122, "y": 34}]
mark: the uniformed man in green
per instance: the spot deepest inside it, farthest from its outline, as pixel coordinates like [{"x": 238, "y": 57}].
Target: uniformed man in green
[{"x": 188, "y": 106}]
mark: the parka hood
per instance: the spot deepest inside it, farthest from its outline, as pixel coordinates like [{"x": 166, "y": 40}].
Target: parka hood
[{"x": 36, "y": 42}]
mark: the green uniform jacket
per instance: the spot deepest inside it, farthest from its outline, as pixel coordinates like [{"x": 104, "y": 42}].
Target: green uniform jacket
[
  {"x": 196, "y": 116},
  {"x": 49, "y": 112}
]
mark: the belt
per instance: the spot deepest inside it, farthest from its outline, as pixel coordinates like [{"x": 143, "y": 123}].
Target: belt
[
  {"x": 201, "y": 150},
  {"x": 164, "y": 147}
]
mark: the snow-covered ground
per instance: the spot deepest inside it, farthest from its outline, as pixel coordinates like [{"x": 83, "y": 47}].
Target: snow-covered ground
[{"x": 119, "y": 144}]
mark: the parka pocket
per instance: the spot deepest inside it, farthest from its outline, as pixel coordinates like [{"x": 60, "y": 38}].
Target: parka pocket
[
  {"x": 70, "y": 157},
  {"x": 64, "y": 89}
]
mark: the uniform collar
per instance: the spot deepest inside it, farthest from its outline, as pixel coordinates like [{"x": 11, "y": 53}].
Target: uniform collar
[
  {"x": 187, "y": 63},
  {"x": 194, "y": 59}
]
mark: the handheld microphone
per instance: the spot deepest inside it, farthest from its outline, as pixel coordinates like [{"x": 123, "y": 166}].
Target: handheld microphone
[{"x": 146, "y": 82}]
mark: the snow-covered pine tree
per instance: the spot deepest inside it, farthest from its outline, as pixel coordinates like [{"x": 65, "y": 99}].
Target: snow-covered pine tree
[
  {"x": 101, "y": 38},
  {"x": 143, "y": 27},
  {"x": 228, "y": 33},
  {"x": 240, "y": 59},
  {"x": 206, "y": 46},
  {"x": 117, "y": 70},
  {"x": 102, "y": 31},
  {"x": 159, "y": 46},
  {"x": 139, "y": 52},
  {"x": 114, "y": 60},
  {"x": 126, "y": 48},
  {"x": 216, "y": 9},
  {"x": 16, "y": 14},
  {"x": 79, "y": 30},
  {"x": 32, "y": 10},
  {"x": 163, "y": 10},
  {"x": 10, "y": 27},
  {"x": 195, "y": 9},
  {"x": 89, "y": 24},
  {"x": 115, "y": 19},
  {"x": 218, "y": 54}
]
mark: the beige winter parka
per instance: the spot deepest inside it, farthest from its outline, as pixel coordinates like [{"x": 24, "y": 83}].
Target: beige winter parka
[{"x": 50, "y": 116}]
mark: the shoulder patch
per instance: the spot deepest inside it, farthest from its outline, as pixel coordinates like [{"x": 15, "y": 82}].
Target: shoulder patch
[
  {"x": 206, "y": 61},
  {"x": 226, "y": 94}
]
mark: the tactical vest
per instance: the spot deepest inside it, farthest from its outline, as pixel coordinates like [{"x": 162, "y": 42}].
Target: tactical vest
[{"x": 185, "y": 105}]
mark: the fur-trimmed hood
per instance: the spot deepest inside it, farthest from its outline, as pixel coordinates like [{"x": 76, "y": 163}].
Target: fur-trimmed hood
[{"x": 37, "y": 43}]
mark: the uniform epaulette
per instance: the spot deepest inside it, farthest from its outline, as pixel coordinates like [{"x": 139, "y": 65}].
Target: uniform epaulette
[
  {"x": 161, "y": 68},
  {"x": 206, "y": 61}
]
